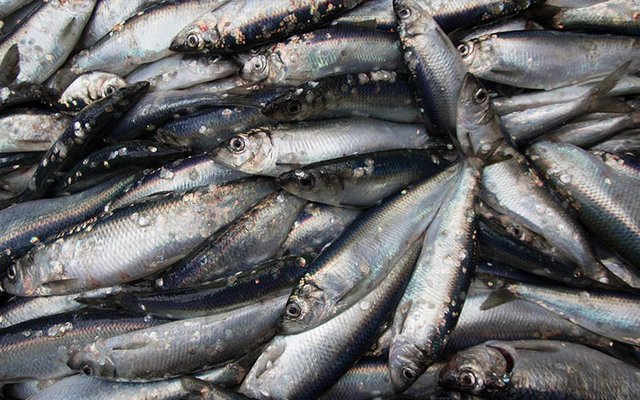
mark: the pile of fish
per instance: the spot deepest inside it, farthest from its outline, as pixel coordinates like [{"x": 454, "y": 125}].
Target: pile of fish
[{"x": 336, "y": 199}]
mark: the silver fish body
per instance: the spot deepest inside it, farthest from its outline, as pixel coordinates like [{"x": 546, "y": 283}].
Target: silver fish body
[
  {"x": 133, "y": 242},
  {"x": 431, "y": 304},
  {"x": 361, "y": 258},
  {"x": 274, "y": 150},
  {"x": 31, "y": 130},
  {"x": 90, "y": 87}
]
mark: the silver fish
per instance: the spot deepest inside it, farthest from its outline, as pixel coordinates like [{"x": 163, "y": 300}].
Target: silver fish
[{"x": 90, "y": 87}]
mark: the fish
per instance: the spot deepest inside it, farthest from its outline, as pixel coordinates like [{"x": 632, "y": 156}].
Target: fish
[
  {"x": 178, "y": 176},
  {"x": 271, "y": 278},
  {"x": 359, "y": 260},
  {"x": 436, "y": 66},
  {"x": 333, "y": 346},
  {"x": 611, "y": 16},
  {"x": 194, "y": 344},
  {"x": 83, "y": 133},
  {"x": 160, "y": 231},
  {"x": 603, "y": 199},
  {"x": 513, "y": 188},
  {"x": 124, "y": 155},
  {"x": 382, "y": 95},
  {"x": 254, "y": 237},
  {"x": 90, "y": 87},
  {"x": 47, "y": 37},
  {"x": 27, "y": 130},
  {"x": 29, "y": 223},
  {"x": 144, "y": 38},
  {"x": 586, "y": 133},
  {"x": 274, "y": 150},
  {"x": 519, "y": 369},
  {"x": 237, "y": 26},
  {"x": 108, "y": 14},
  {"x": 182, "y": 71},
  {"x": 607, "y": 313},
  {"x": 429, "y": 309},
  {"x": 322, "y": 53},
  {"x": 538, "y": 59},
  {"x": 9, "y": 6},
  {"x": 39, "y": 349},
  {"x": 362, "y": 180},
  {"x": 22, "y": 309},
  {"x": 377, "y": 14},
  {"x": 317, "y": 226}
]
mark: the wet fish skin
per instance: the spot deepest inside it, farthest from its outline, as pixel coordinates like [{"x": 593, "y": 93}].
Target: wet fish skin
[
  {"x": 586, "y": 133},
  {"x": 27, "y": 224},
  {"x": 125, "y": 155},
  {"x": 82, "y": 134},
  {"x": 253, "y": 238},
  {"x": 627, "y": 142},
  {"x": 108, "y": 14},
  {"x": 31, "y": 130},
  {"x": 331, "y": 348},
  {"x": 158, "y": 233},
  {"x": 47, "y": 37},
  {"x": 268, "y": 279},
  {"x": 277, "y": 149},
  {"x": 179, "y": 176},
  {"x": 181, "y": 71},
  {"x": 144, "y": 38},
  {"x": 196, "y": 343},
  {"x": 611, "y": 16},
  {"x": 537, "y": 59},
  {"x": 382, "y": 95},
  {"x": 9, "y": 6},
  {"x": 435, "y": 65},
  {"x": 523, "y": 127},
  {"x": 431, "y": 304},
  {"x": 504, "y": 25},
  {"x": 22, "y": 309},
  {"x": 377, "y": 13},
  {"x": 604, "y": 200},
  {"x": 512, "y": 187},
  {"x": 316, "y": 227},
  {"x": 243, "y": 25},
  {"x": 478, "y": 129},
  {"x": 525, "y": 369},
  {"x": 90, "y": 87},
  {"x": 622, "y": 163},
  {"x": 359, "y": 260},
  {"x": 10, "y": 162},
  {"x": 158, "y": 108},
  {"x": 46, "y": 342},
  {"x": 607, "y": 313},
  {"x": 361, "y": 180},
  {"x": 322, "y": 53},
  {"x": 211, "y": 127}
]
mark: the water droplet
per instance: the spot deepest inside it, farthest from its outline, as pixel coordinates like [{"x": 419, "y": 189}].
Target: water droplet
[{"x": 565, "y": 178}]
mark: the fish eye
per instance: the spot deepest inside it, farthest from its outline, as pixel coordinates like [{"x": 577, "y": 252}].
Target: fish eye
[
  {"x": 259, "y": 63},
  {"x": 480, "y": 96},
  {"x": 109, "y": 90},
  {"x": 294, "y": 107},
  {"x": 464, "y": 49},
  {"x": 293, "y": 311},
  {"x": 408, "y": 373},
  {"x": 468, "y": 379},
  {"x": 12, "y": 273},
  {"x": 236, "y": 144},
  {"x": 86, "y": 369},
  {"x": 404, "y": 13},
  {"x": 193, "y": 40},
  {"x": 307, "y": 181}
]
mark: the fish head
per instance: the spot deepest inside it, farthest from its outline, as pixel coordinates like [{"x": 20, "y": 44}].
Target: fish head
[
  {"x": 306, "y": 308},
  {"x": 316, "y": 184},
  {"x": 93, "y": 360},
  {"x": 481, "y": 369},
  {"x": 407, "y": 362},
  {"x": 298, "y": 104},
  {"x": 196, "y": 37},
  {"x": 478, "y": 54},
  {"x": 413, "y": 16},
  {"x": 22, "y": 276},
  {"x": 478, "y": 124},
  {"x": 256, "y": 69},
  {"x": 250, "y": 152}
]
